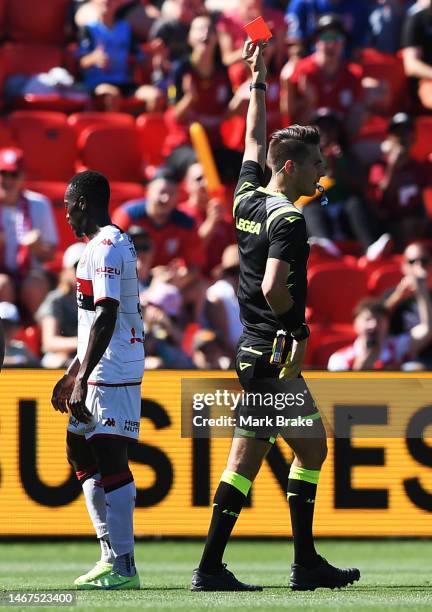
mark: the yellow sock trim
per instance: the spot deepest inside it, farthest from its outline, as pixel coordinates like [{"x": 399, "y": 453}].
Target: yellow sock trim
[
  {"x": 237, "y": 480},
  {"x": 299, "y": 473}
]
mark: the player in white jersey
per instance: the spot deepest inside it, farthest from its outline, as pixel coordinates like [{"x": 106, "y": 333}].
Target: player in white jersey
[{"x": 101, "y": 388}]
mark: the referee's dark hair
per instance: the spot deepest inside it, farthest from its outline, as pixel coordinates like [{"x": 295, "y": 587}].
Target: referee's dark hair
[
  {"x": 92, "y": 186},
  {"x": 291, "y": 143}
]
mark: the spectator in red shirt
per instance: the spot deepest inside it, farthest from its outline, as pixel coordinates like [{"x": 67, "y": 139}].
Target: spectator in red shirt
[
  {"x": 232, "y": 35},
  {"x": 325, "y": 79},
  {"x": 374, "y": 348},
  {"x": 172, "y": 232},
  {"x": 397, "y": 184},
  {"x": 201, "y": 91},
  {"x": 28, "y": 235},
  {"x": 215, "y": 227}
]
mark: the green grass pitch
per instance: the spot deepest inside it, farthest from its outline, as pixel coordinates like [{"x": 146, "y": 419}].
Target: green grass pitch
[{"x": 396, "y": 575}]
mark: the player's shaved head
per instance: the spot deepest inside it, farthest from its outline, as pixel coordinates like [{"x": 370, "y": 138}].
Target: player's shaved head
[
  {"x": 92, "y": 186},
  {"x": 293, "y": 143}
]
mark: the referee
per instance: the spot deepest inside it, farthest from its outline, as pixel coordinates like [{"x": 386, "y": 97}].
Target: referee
[{"x": 273, "y": 246}]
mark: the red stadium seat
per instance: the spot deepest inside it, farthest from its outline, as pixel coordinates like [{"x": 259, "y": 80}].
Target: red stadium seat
[
  {"x": 43, "y": 21},
  {"x": 334, "y": 290},
  {"x": 422, "y": 147},
  {"x": 122, "y": 192},
  {"x": 152, "y": 132},
  {"x": 384, "y": 278},
  {"x": 81, "y": 121},
  {"x": 6, "y": 138},
  {"x": 48, "y": 142},
  {"x": 32, "y": 337},
  {"x": 18, "y": 58},
  {"x": 2, "y": 17},
  {"x": 50, "y": 102},
  {"x": 328, "y": 346},
  {"x": 55, "y": 192},
  {"x": 387, "y": 69},
  {"x": 427, "y": 197},
  {"x": 114, "y": 151}
]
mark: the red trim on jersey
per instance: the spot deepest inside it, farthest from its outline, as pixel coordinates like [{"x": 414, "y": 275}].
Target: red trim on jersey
[
  {"x": 106, "y": 299},
  {"x": 85, "y": 474},
  {"x": 102, "y": 384},
  {"x": 84, "y": 286}
]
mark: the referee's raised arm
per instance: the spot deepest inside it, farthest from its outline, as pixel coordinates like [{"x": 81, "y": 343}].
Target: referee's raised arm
[{"x": 255, "y": 138}]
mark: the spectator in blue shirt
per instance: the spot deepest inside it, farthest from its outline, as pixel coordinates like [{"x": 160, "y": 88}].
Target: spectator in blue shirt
[
  {"x": 105, "y": 47},
  {"x": 302, "y": 15}
]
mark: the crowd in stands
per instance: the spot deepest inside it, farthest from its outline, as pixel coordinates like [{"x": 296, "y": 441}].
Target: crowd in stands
[{"x": 116, "y": 84}]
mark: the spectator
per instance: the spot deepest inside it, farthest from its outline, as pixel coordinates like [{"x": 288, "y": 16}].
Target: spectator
[
  {"x": 16, "y": 352},
  {"x": 347, "y": 214},
  {"x": 105, "y": 46},
  {"x": 374, "y": 348},
  {"x": 397, "y": 184},
  {"x": 28, "y": 235},
  {"x": 325, "y": 79},
  {"x": 222, "y": 309},
  {"x": 302, "y": 16},
  {"x": 417, "y": 53},
  {"x": 232, "y": 35},
  {"x": 139, "y": 14},
  {"x": 162, "y": 308},
  {"x": 173, "y": 233},
  {"x": 201, "y": 91},
  {"x": 215, "y": 228},
  {"x": 385, "y": 26},
  {"x": 145, "y": 254},
  {"x": 57, "y": 315},
  {"x": 207, "y": 351},
  {"x": 172, "y": 28},
  {"x": 401, "y": 302}
]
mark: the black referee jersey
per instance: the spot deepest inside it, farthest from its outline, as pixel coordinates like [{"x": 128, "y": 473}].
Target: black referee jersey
[{"x": 268, "y": 225}]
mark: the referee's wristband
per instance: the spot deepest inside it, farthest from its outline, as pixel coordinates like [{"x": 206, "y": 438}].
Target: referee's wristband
[
  {"x": 291, "y": 319},
  {"x": 261, "y": 86}
]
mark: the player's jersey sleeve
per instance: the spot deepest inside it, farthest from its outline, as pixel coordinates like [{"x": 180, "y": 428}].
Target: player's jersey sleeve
[
  {"x": 106, "y": 273},
  {"x": 286, "y": 235},
  {"x": 251, "y": 177}
]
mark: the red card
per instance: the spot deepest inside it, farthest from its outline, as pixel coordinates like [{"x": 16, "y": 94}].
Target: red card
[{"x": 258, "y": 30}]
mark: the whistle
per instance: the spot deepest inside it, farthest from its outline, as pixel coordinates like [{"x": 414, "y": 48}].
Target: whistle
[{"x": 323, "y": 199}]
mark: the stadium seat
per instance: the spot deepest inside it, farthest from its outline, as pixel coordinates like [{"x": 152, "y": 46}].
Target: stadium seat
[
  {"x": 384, "y": 278},
  {"x": 387, "y": 69},
  {"x": 427, "y": 197},
  {"x": 2, "y": 18},
  {"x": 55, "y": 192},
  {"x": 334, "y": 290},
  {"x": 122, "y": 192},
  {"x": 29, "y": 59},
  {"x": 328, "y": 346},
  {"x": 50, "y": 102},
  {"x": 152, "y": 132},
  {"x": 81, "y": 121},
  {"x": 422, "y": 147},
  {"x": 32, "y": 337},
  {"x": 6, "y": 138},
  {"x": 48, "y": 142},
  {"x": 43, "y": 21},
  {"x": 114, "y": 151}
]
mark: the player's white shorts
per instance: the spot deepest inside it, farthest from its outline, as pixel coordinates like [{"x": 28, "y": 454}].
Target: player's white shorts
[{"x": 116, "y": 412}]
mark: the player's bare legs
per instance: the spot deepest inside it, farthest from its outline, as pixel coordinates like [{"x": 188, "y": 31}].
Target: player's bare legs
[{"x": 82, "y": 459}]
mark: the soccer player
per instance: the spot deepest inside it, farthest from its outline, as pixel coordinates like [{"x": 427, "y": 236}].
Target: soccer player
[
  {"x": 273, "y": 251},
  {"x": 101, "y": 388}
]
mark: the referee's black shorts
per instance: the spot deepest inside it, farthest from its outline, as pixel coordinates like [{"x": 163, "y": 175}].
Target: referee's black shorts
[{"x": 270, "y": 402}]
